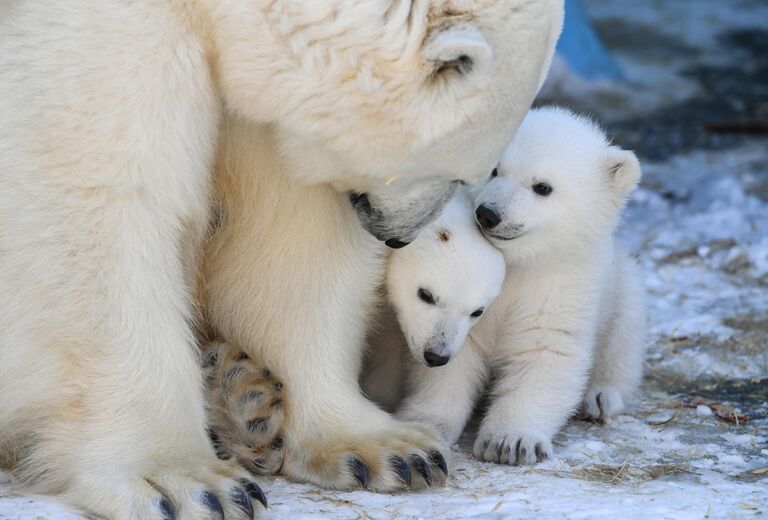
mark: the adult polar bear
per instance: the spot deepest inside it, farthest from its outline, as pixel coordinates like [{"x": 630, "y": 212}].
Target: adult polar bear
[{"x": 109, "y": 127}]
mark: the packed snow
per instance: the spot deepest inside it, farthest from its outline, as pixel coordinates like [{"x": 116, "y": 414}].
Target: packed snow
[{"x": 696, "y": 443}]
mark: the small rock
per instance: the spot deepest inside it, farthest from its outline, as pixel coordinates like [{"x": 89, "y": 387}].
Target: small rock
[
  {"x": 660, "y": 418},
  {"x": 704, "y": 411}
]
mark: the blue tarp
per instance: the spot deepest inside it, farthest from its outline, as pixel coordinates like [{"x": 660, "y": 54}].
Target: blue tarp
[{"x": 581, "y": 48}]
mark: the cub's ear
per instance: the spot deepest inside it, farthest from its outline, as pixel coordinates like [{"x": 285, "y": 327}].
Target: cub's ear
[
  {"x": 460, "y": 52},
  {"x": 623, "y": 170}
]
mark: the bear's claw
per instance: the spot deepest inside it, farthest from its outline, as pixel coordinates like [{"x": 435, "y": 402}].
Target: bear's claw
[
  {"x": 255, "y": 492},
  {"x": 438, "y": 460},
  {"x": 167, "y": 509},
  {"x": 402, "y": 469},
  {"x": 360, "y": 472},
  {"x": 212, "y": 503},
  {"x": 422, "y": 468}
]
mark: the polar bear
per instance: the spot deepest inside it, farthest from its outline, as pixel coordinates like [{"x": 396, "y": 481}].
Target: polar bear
[
  {"x": 569, "y": 323},
  {"x": 436, "y": 290},
  {"x": 111, "y": 116}
]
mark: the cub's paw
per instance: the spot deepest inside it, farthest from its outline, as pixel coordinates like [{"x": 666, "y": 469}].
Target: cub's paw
[
  {"x": 246, "y": 410},
  {"x": 408, "y": 456},
  {"x": 602, "y": 403},
  {"x": 515, "y": 448},
  {"x": 193, "y": 490}
]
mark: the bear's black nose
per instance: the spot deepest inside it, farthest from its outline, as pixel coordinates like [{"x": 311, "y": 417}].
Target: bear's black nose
[
  {"x": 435, "y": 360},
  {"x": 486, "y": 217}
]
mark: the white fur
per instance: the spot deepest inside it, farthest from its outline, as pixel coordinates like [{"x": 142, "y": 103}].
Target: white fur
[
  {"x": 571, "y": 305},
  {"x": 109, "y": 127},
  {"x": 460, "y": 269}
]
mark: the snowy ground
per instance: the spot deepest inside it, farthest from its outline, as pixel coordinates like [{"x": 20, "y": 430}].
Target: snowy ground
[{"x": 697, "y": 444}]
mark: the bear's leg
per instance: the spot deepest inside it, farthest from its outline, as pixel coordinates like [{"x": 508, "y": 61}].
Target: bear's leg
[
  {"x": 108, "y": 129},
  {"x": 101, "y": 383},
  {"x": 541, "y": 377},
  {"x": 444, "y": 396},
  {"x": 620, "y": 349},
  {"x": 333, "y": 435},
  {"x": 337, "y": 438},
  {"x": 291, "y": 278},
  {"x": 245, "y": 409}
]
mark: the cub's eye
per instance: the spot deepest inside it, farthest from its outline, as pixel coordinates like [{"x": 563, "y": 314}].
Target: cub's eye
[
  {"x": 477, "y": 313},
  {"x": 542, "y": 188},
  {"x": 426, "y": 296},
  {"x": 495, "y": 173}
]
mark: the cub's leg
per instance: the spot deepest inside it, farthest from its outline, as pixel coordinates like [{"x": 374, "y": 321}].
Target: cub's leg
[
  {"x": 618, "y": 364},
  {"x": 542, "y": 373},
  {"x": 245, "y": 409},
  {"x": 291, "y": 277},
  {"x": 444, "y": 397}
]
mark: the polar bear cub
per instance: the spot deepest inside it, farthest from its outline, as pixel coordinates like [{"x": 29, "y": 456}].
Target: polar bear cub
[
  {"x": 569, "y": 323},
  {"x": 437, "y": 289}
]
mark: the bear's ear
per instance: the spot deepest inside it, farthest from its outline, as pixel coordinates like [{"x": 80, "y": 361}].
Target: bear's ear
[
  {"x": 623, "y": 170},
  {"x": 462, "y": 52}
]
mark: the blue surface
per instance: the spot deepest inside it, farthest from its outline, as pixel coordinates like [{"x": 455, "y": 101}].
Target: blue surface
[{"x": 581, "y": 48}]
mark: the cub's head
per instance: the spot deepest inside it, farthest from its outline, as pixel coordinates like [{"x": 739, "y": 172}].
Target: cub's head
[
  {"x": 442, "y": 284},
  {"x": 559, "y": 185},
  {"x": 426, "y": 92}
]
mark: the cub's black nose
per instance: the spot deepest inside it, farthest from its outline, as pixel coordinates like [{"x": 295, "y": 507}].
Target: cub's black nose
[
  {"x": 435, "y": 360},
  {"x": 486, "y": 217},
  {"x": 395, "y": 243}
]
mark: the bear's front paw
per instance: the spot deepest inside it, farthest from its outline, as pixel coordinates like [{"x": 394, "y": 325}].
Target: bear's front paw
[
  {"x": 218, "y": 489},
  {"x": 183, "y": 489},
  {"x": 512, "y": 447},
  {"x": 602, "y": 403},
  {"x": 403, "y": 456},
  {"x": 246, "y": 410}
]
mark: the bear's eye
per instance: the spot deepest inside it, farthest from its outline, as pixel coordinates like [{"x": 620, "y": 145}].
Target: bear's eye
[
  {"x": 542, "y": 188},
  {"x": 495, "y": 173},
  {"x": 477, "y": 313},
  {"x": 426, "y": 296}
]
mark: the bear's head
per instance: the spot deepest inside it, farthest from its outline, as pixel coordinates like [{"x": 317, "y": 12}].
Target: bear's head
[
  {"x": 398, "y": 100},
  {"x": 442, "y": 284},
  {"x": 559, "y": 186}
]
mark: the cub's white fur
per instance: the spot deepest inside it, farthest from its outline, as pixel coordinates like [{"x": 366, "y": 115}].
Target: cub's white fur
[
  {"x": 436, "y": 290},
  {"x": 569, "y": 323},
  {"x": 110, "y": 115}
]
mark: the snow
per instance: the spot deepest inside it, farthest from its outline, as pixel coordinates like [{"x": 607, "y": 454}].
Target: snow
[{"x": 699, "y": 226}]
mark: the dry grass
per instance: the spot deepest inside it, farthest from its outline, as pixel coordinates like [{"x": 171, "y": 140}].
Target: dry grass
[
  {"x": 624, "y": 474},
  {"x": 753, "y": 475}
]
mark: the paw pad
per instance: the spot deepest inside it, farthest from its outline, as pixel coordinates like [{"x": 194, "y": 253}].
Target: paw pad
[{"x": 246, "y": 405}]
